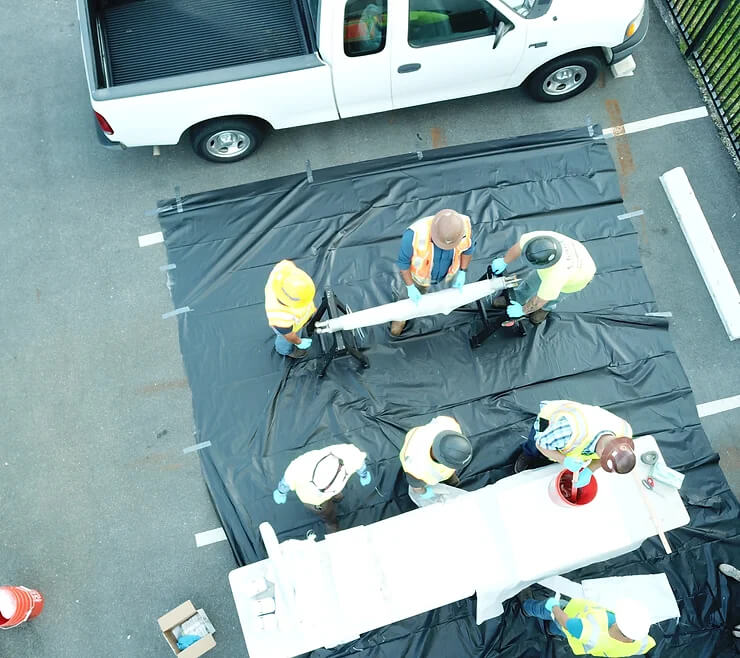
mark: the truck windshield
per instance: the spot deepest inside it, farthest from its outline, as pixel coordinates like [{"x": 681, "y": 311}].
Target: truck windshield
[{"x": 529, "y": 8}]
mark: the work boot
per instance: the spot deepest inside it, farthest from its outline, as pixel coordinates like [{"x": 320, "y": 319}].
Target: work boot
[
  {"x": 397, "y": 327},
  {"x": 297, "y": 354},
  {"x": 524, "y": 462},
  {"x": 538, "y": 316},
  {"x": 730, "y": 571}
]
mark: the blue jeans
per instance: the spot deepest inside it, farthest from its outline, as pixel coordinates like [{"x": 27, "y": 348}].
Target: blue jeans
[
  {"x": 537, "y": 609},
  {"x": 529, "y": 447},
  {"x": 282, "y": 345}
]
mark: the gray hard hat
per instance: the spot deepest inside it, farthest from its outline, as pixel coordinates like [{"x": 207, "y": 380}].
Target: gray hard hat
[
  {"x": 542, "y": 251},
  {"x": 448, "y": 228},
  {"x": 452, "y": 449}
]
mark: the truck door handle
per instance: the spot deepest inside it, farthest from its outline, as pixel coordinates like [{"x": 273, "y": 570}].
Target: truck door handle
[{"x": 409, "y": 68}]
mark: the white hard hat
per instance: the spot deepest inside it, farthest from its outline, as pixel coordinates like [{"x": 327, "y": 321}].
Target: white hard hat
[{"x": 633, "y": 618}]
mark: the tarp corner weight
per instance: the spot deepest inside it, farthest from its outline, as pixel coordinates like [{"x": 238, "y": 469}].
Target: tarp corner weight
[{"x": 599, "y": 347}]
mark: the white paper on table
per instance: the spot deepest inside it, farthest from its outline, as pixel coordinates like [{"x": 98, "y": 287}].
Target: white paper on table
[
  {"x": 563, "y": 586},
  {"x": 653, "y": 590},
  {"x": 442, "y": 493}
]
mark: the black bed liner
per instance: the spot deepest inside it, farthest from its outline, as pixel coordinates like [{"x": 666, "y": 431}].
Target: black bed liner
[{"x": 150, "y": 39}]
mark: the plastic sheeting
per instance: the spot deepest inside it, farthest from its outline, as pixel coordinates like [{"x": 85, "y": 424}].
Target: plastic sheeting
[{"x": 260, "y": 411}]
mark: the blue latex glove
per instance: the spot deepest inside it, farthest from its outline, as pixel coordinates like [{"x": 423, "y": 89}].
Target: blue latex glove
[
  {"x": 459, "y": 280},
  {"x": 584, "y": 477},
  {"x": 186, "y": 640},
  {"x": 305, "y": 343},
  {"x": 279, "y": 497},
  {"x": 572, "y": 464},
  {"x": 428, "y": 493},
  {"x": 498, "y": 265},
  {"x": 414, "y": 294},
  {"x": 365, "y": 477},
  {"x": 551, "y": 603},
  {"x": 514, "y": 310}
]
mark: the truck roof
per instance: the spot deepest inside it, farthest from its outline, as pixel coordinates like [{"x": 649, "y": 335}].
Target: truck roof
[{"x": 150, "y": 39}]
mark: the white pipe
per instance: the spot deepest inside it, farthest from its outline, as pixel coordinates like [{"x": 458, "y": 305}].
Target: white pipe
[{"x": 433, "y": 303}]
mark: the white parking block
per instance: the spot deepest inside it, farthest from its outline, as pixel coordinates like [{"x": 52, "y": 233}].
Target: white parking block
[{"x": 704, "y": 247}]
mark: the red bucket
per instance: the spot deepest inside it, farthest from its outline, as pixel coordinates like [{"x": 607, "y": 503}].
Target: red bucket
[
  {"x": 28, "y": 604},
  {"x": 560, "y": 490}
]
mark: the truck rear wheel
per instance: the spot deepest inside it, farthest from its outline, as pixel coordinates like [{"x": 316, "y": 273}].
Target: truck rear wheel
[
  {"x": 226, "y": 140},
  {"x": 563, "y": 77}
]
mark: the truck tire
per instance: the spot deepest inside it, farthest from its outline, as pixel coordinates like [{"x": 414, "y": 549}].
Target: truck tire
[
  {"x": 564, "y": 77},
  {"x": 226, "y": 140}
]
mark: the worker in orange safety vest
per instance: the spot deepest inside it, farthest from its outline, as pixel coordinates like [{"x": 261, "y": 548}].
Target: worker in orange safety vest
[{"x": 434, "y": 249}]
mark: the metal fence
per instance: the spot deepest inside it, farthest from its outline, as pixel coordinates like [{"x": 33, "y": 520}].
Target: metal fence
[{"x": 711, "y": 30}]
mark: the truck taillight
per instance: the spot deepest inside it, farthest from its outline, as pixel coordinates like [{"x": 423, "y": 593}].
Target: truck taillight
[{"x": 104, "y": 125}]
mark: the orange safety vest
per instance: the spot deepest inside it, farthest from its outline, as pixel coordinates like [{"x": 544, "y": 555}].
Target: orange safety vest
[{"x": 423, "y": 257}]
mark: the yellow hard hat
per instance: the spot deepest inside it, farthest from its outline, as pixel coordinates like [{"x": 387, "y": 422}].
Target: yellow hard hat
[{"x": 292, "y": 286}]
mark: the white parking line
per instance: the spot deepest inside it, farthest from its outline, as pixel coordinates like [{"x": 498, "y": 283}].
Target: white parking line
[
  {"x": 718, "y": 406},
  {"x": 656, "y": 122},
  {"x": 150, "y": 239},
  {"x": 210, "y": 537}
]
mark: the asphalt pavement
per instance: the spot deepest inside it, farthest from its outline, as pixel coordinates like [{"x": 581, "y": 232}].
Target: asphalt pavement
[{"x": 99, "y": 503}]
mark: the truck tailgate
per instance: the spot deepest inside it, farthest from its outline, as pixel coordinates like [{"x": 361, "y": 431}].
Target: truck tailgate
[{"x": 149, "y": 39}]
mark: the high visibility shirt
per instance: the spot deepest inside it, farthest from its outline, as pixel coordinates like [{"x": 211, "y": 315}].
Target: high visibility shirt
[
  {"x": 594, "y": 639},
  {"x": 423, "y": 251},
  {"x": 574, "y": 428},
  {"x": 573, "y": 271},
  {"x": 416, "y": 453},
  {"x": 280, "y": 315},
  {"x": 300, "y": 472}
]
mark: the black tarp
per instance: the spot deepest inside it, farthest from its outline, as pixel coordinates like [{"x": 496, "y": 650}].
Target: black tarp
[{"x": 259, "y": 410}]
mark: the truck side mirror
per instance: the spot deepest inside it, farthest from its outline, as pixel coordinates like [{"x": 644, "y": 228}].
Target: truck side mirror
[{"x": 501, "y": 29}]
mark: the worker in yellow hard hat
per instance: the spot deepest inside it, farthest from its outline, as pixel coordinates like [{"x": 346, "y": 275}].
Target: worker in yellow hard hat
[
  {"x": 560, "y": 265},
  {"x": 434, "y": 249},
  {"x": 594, "y": 630},
  {"x": 289, "y": 306}
]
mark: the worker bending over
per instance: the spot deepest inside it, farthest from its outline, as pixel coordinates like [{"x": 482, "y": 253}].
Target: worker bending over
[
  {"x": 581, "y": 437},
  {"x": 289, "y": 306},
  {"x": 593, "y": 630},
  {"x": 561, "y": 266},
  {"x": 434, "y": 249},
  {"x": 318, "y": 478},
  {"x": 433, "y": 453}
]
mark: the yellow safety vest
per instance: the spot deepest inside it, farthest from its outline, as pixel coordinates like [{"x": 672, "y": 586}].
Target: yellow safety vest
[
  {"x": 416, "y": 455},
  {"x": 423, "y": 257},
  {"x": 595, "y": 639},
  {"x": 280, "y": 315},
  {"x": 586, "y": 421}
]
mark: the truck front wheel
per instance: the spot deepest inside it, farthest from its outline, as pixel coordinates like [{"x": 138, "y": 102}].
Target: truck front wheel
[
  {"x": 563, "y": 77},
  {"x": 226, "y": 140}
]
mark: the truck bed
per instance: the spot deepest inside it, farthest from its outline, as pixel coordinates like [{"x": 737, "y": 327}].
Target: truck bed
[{"x": 148, "y": 39}]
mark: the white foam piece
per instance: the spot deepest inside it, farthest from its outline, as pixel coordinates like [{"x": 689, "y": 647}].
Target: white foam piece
[
  {"x": 624, "y": 68},
  {"x": 704, "y": 247}
]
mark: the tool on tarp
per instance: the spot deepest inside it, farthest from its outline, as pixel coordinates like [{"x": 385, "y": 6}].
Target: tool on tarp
[
  {"x": 494, "y": 319},
  {"x": 338, "y": 344},
  {"x": 651, "y": 511}
]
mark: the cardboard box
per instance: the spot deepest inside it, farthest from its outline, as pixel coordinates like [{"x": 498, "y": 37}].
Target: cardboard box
[{"x": 174, "y": 617}]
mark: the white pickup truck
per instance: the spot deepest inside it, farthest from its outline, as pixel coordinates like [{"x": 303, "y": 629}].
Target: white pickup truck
[{"x": 227, "y": 71}]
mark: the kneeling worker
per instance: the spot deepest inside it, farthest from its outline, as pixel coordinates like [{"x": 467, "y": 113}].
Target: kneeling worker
[
  {"x": 434, "y": 249},
  {"x": 318, "y": 478},
  {"x": 581, "y": 437},
  {"x": 562, "y": 266},
  {"x": 289, "y": 306},
  {"x": 433, "y": 453},
  {"x": 593, "y": 630}
]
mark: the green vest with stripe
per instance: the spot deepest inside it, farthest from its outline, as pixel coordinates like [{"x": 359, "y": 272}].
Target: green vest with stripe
[{"x": 595, "y": 639}]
